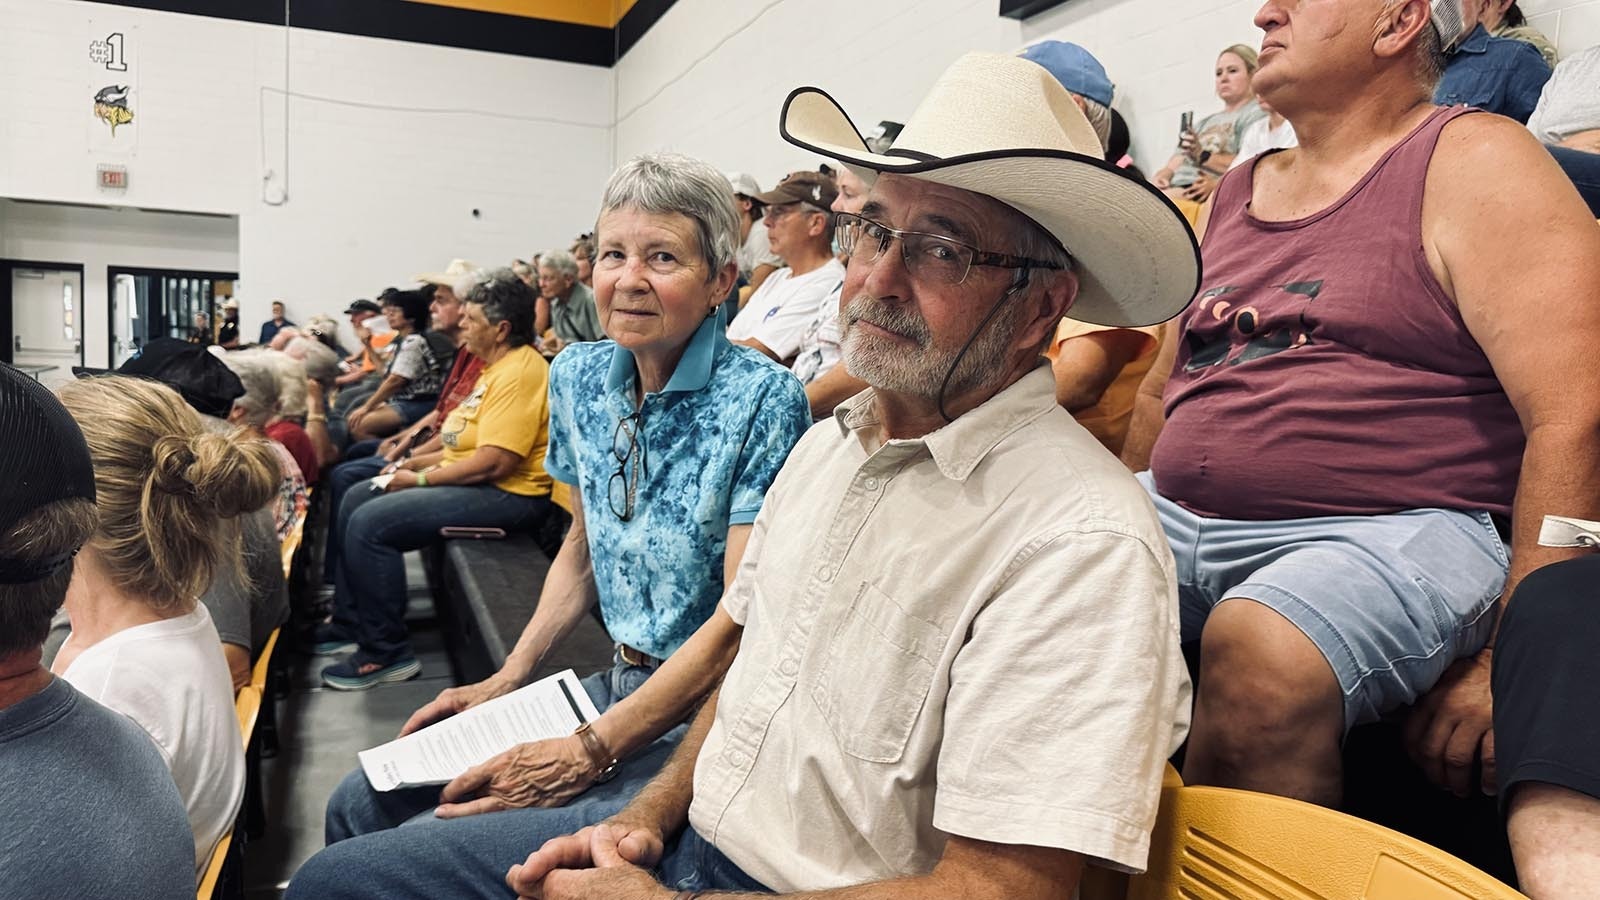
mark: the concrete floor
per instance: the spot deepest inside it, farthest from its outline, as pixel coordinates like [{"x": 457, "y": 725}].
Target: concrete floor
[{"x": 320, "y": 732}]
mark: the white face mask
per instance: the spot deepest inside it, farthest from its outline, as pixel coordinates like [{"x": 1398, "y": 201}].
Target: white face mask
[{"x": 378, "y": 325}]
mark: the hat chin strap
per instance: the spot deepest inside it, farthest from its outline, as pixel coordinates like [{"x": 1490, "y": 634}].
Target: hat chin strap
[{"x": 1017, "y": 284}]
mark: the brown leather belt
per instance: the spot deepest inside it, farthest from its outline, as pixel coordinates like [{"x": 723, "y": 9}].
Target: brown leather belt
[{"x": 637, "y": 657}]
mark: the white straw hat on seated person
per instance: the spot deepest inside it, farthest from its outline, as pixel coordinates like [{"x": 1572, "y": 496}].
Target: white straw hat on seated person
[{"x": 1002, "y": 126}]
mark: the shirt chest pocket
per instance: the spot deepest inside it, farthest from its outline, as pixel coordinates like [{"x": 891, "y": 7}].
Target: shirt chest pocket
[{"x": 877, "y": 670}]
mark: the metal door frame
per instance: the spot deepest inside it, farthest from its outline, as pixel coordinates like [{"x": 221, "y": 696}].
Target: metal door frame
[
  {"x": 137, "y": 271},
  {"x": 7, "y": 321}
]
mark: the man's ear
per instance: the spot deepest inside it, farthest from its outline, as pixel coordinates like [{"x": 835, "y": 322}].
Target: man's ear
[
  {"x": 1050, "y": 306},
  {"x": 1399, "y": 27}
]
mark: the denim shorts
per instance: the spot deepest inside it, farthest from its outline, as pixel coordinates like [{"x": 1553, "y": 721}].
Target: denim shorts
[
  {"x": 412, "y": 410},
  {"x": 1390, "y": 601}
]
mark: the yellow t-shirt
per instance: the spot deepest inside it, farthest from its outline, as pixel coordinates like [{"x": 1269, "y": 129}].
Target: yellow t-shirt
[
  {"x": 509, "y": 408},
  {"x": 1108, "y": 420}
]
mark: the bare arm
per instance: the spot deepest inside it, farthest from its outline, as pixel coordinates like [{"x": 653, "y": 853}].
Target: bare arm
[
  {"x": 238, "y": 663},
  {"x": 830, "y": 389},
  {"x": 757, "y": 276},
  {"x": 1086, "y": 365},
  {"x": 565, "y": 597},
  {"x": 1536, "y": 319},
  {"x": 317, "y": 424},
  {"x": 387, "y": 388},
  {"x": 1148, "y": 414},
  {"x": 487, "y": 464},
  {"x": 1531, "y": 307},
  {"x": 754, "y": 344}
]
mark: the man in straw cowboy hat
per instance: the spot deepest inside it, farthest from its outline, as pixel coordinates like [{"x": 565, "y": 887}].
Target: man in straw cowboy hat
[
  {"x": 960, "y": 672},
  {"x": 1386, "y": 380}
]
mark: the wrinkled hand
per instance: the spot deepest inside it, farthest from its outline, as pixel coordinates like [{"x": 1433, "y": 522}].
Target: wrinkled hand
[
  {"x": 403, "y": 478},
  {"x": 604, "y": 862},
  {"x": 392, "y": 449},
  {"x": 1453, "y": 725},
  {"x": 1201, "y": 188},
  {"x": 456, "y": 700},
  {"x": 540, "y": 773}
]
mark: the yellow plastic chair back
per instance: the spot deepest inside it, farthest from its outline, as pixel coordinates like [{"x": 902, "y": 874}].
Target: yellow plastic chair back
[
  {"x": 247, "y": 705},
  {"x": 208, "y": 883},
  {"x": 1220, "y": 844}
]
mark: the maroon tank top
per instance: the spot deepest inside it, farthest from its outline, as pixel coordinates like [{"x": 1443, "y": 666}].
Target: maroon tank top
[{"x": 1323, "y": 371}]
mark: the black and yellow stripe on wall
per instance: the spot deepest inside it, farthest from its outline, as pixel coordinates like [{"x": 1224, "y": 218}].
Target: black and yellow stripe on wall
[{"x": 592, "y": 32}]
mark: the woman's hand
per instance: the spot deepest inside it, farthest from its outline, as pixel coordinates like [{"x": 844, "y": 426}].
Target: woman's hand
[
  {"x": 394, "y": 448},
  {"x": 353, "y": 420},
  {"x": 456, "y": 700},
  {"x": 314, "y": 396},
  {"x": 403, "y": 478},
  {"x": 540, "y": 773},
  {"x": 1162, "y": 179},
  {"x": 1187, "y": 142}
]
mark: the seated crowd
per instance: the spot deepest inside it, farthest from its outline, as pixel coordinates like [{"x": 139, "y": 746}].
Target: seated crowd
[{"x": 903, "y": 487}]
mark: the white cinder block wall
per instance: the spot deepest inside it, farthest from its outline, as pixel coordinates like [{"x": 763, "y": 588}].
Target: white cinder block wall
[
  {"x": 390, "y": 146},
  {"x": 710, "y": 78}
]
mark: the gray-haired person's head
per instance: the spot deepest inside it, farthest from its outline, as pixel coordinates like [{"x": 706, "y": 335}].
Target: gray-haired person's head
[
  {"x": 260, "y": 379},
  {"x": 667, "y": 183},
  {"x": 322, "y": 364},
  {"x": 561, "y": 262},
  {"x": 506, "y": 298}
]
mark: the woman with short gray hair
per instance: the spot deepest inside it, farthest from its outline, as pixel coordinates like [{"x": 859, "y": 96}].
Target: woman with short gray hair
[
  {"x": 669, "y": 436},
  {"x": 253, "y": 411}
]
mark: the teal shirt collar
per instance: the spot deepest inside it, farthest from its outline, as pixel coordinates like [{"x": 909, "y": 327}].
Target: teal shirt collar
[{"x": 693, "y": 371}]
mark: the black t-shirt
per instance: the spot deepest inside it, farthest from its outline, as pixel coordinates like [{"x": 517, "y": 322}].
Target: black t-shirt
[{"x": 229, "y": 332}]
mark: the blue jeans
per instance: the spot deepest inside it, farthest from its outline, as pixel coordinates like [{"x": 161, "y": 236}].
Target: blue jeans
[
  {"x": 342, "y": 478},
  {"x": 373, "y": 530},
  {"x": 389, "y": 845},
  {"x": 1584, "y": 170}
]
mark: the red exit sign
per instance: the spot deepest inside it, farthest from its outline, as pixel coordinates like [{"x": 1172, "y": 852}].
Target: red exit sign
[{"x": 113, "y": 177}]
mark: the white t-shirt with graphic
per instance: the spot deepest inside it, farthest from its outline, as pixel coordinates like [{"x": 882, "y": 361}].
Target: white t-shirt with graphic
[{"x": 781, "y": 311}]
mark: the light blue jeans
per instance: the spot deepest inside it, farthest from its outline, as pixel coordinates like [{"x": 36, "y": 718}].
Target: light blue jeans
[{"x": 389, "y": 845}]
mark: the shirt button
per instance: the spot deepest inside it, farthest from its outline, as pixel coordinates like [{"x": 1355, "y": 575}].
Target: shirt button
[
  {"x": 735, "y": 759},
  {"x": 870, "y": 484},
  {"x": 825, "y": 573},
  {"x": 788, "y": 667}
]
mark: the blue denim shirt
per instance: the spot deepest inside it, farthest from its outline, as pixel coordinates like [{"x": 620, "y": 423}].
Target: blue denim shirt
[
  {"x": 1499, "y": 75},
  {"x": 713, "y": 441}
]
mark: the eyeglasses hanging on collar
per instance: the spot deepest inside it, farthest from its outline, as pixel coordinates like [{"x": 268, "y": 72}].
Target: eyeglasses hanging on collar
[{"x": 627, "y": 448}]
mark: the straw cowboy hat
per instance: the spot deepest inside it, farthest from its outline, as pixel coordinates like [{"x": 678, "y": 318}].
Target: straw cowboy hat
[{"x": 1004, "y": 127}]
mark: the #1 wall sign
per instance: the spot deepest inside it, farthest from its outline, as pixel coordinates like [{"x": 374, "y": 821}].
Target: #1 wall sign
[{"x": 111, "y": 89}]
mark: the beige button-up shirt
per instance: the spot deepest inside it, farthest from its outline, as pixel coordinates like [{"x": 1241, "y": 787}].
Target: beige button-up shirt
[{"x": 974, "y": 633}]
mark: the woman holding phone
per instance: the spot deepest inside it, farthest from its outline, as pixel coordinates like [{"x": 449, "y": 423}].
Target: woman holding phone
[{"x": 1206, "y": 150}]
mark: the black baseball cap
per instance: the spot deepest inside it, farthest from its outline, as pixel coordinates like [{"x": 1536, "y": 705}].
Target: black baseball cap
[
  {"x": 205, "y": 382},
  {"x": 46, "y": 460},
  {"x": 362, "y": 306}
]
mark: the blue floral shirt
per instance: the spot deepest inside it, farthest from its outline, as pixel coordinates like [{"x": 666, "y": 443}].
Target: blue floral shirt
[{"x": 710, "y": 443}]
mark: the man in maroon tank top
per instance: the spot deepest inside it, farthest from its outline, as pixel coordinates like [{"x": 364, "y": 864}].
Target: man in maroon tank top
[{"x": 1388, "y": 368}]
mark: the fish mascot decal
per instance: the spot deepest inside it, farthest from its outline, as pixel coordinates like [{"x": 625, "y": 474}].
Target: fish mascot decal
[{"x": 111, "y": 106}]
